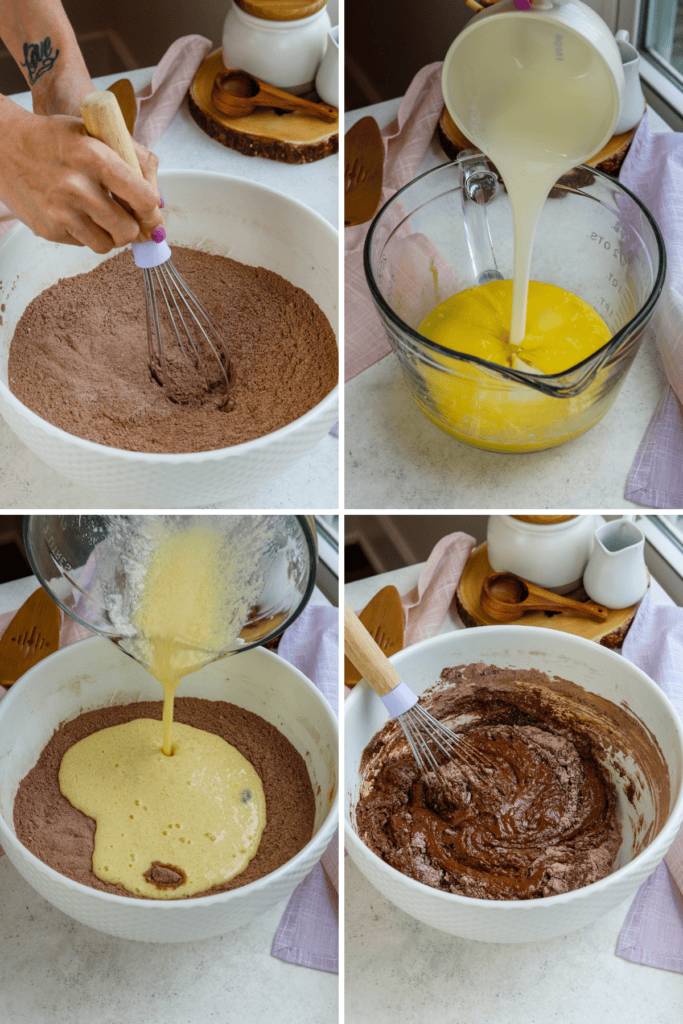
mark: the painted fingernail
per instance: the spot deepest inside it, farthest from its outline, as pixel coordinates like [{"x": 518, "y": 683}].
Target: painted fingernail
[
  {"x": 162, "y": 204},
  {"x": 158, "y": 235}
]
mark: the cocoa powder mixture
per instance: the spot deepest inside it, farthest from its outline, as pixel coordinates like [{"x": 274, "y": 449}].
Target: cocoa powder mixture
[
  {"x": 535, "y": 819},
  {"x": 64, "y": 838},
  {"x": 79, "y": 357}
]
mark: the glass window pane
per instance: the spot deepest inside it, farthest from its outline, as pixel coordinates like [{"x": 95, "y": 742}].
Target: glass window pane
[{"x": 664, "y": 32}]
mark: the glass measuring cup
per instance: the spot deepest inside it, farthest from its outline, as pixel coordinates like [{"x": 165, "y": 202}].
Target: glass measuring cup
[
  {"x": 594, "y": 238},
  {"x": 75, "y": 560}
]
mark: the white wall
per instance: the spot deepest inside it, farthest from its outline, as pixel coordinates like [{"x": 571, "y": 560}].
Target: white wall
[{"x": 390, "y": 40}]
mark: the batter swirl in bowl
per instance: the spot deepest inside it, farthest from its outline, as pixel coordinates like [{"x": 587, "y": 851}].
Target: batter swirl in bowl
[{"x": 539, "y": 820}]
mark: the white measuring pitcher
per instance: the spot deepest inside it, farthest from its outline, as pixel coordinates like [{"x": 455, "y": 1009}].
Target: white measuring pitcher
[
  {"x": 616, "y": 574},
  {"x": 554, "y": 70}
]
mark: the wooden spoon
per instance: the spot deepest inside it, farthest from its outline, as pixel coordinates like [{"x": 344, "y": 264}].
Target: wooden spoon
[
  {"x": 32, "y": 634},
  {"x": 363, "y": 171},
  {"x": 237, "y": 94},
  {"x": 505, "y": 597},
  {"x": 383, "y": 618}
]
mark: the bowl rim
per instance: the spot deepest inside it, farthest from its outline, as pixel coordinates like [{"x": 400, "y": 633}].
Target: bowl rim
[
  {"x": 323, "y": 407},
  {"x": 670, "y": 827},
  {"x": 550, "y": 383},
  {"x": 165, "y": 906}
]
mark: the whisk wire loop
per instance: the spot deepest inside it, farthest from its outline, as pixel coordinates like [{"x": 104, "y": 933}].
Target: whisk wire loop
[
  {"x": 160, "y": 282},
  {"x": 428, "y": 738},
  {"x": 192, "y": 305},
  {"x": 179, "y": 301},
  {"x": 157, "y": 357}
]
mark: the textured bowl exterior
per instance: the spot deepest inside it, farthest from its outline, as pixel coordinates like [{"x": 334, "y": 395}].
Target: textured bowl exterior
[
  {"x": 93, "y": 673},
  {"x": 220, "y": 214},
  {"x": 515, "y": 646},
  {"x": 230, "y": 475},
  {"x": 174, "y": 922}
]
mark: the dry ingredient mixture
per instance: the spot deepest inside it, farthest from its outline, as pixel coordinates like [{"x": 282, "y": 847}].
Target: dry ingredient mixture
[
  {"x": 538, "y": 820},
  {"x": 79, "y": 357},
  {"x": 64, "y": 838}
]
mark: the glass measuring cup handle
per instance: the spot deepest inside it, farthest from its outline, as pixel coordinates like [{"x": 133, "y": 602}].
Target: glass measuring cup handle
[{"x": 478, "y": 185}]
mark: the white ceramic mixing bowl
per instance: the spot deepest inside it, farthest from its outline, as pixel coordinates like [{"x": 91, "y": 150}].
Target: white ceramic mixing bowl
[
  {"x": 94, "y": 673},
  {"x": 581, "y": 661},
  {"x": 219, "y": 214}
]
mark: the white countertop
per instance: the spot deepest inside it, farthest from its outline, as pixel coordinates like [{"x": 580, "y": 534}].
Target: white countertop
[
  {"x": 53, "y": 969},
  {"x": 398, "y": 969},
  {"x": 28, "y": 483},
  {"x": 396, "y": 458}
]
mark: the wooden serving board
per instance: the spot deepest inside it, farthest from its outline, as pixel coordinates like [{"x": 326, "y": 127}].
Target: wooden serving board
[
  {"x": 291, "y": 138},
  {"x": 609, "y": 159},
  {"x": 609, "y": 633}
]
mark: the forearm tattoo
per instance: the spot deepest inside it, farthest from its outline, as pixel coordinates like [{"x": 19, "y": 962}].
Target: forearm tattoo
[{"x": 38, "y": 58}]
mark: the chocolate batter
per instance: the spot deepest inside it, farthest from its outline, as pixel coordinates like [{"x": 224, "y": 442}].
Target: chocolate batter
[
  {"x": 535, "y": 819},
  {"x": 79, "y": 357},
  {"x": 64, "y": 837}
]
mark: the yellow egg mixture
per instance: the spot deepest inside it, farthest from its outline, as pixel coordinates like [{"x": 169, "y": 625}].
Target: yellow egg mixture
[
  {"x": 201, "y": 811},
  {"x": 561, "y": 331},
  {"x": 182, "y": 610},
  {"x": 194, "y": 804}
]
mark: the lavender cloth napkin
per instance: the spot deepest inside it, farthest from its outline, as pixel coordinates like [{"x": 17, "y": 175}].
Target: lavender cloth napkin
[
  {"x": 653, "y": 170},
  {"x": 309, "y": 930},
  {"x": 653, "y": 930}
]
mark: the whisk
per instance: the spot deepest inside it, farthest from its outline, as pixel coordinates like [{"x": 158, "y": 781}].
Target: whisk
[
  {"x": 198, "y": 361},
  {"x": 432, "y": 743}
]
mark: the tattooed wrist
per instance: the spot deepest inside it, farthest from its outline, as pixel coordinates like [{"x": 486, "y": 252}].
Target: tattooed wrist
[{"x": 38, "y": 58}]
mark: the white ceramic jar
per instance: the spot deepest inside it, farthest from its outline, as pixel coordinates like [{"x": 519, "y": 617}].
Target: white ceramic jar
[
  {"x": 551, "y": 551},
  {"x": 280, "y": 41}
]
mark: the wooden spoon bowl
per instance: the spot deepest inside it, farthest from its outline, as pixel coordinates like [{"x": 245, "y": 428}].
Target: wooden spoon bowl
[
  {"x": 238, "y": 94},
  {"x": 506, "y": 597}
]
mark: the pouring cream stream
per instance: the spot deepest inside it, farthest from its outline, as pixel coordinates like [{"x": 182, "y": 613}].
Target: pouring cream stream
[{"x": 535, "y": 91}]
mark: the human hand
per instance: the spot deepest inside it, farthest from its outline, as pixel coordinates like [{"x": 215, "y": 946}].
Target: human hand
[
  {"x": 62, "y": 94},
  {"x": 57, "y": 180}
]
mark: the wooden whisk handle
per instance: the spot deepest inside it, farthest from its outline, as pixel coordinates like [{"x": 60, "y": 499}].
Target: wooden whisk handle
[
  {"x": 104, "y": 121},
  {"x": 369, "y": 659}
]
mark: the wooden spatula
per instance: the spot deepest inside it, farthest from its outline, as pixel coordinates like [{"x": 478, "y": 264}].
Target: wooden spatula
[
  {"x": 32, "y": 634},
  {"x": 383, "y": 619},
  {"x": 125, "y": 94},
  {"x": 363, "y": 171}
]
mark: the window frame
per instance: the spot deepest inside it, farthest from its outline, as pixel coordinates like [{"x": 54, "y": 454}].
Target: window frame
[
  {"x": 663, "y": 555},
  {"x": 662, "y": 94}
]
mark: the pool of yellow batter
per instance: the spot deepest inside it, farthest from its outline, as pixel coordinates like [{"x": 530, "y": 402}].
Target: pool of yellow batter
[
  {"x": 475, "y": 407},
  {"x": 199, "y": 813}
]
